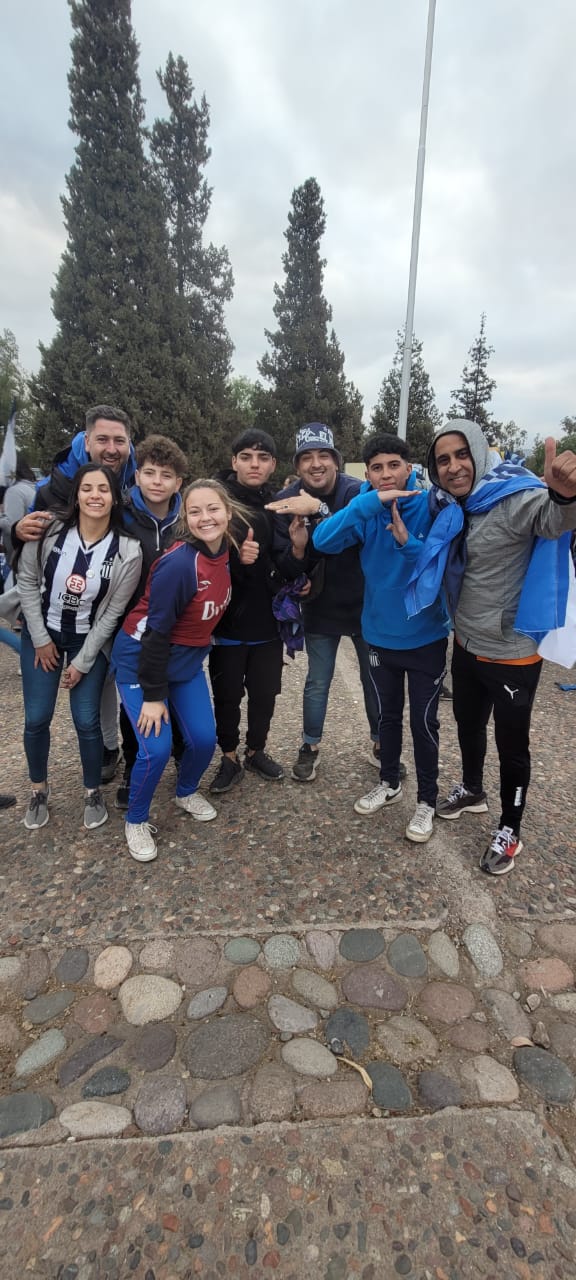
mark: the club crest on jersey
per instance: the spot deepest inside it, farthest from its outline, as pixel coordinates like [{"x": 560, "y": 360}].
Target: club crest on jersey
[{"x": 76, "y": 584}]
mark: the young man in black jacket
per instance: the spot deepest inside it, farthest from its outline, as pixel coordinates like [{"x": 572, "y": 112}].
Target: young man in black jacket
[
  {"x": 337, "y": 593},
  {"x": 247, "y": 653}
]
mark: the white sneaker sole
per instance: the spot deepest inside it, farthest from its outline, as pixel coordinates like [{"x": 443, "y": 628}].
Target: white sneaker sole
[
  {"x": 418, "y": 837},
  {"x": 199, "y": 817},
  {"x": 470, "y": 808},
  {"x": 385, "y": 804},
  {"x": 36, "y": 826},
  {"x": 143, "y": 857},
  {"x": 91, "y": 826}
]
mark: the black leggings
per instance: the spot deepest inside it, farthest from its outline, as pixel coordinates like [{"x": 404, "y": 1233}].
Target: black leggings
[{"x": 480, "y": 688}]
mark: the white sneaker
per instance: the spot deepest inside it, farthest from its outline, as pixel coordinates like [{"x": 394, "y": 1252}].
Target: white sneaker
[
  {"x": 141, "y": 842},
  {"x": 378, "y": 797},
  {"x": 197, "y": 806},
  {"x": 421, "y": 824}
]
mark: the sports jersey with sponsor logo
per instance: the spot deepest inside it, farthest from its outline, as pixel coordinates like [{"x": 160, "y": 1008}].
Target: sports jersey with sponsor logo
[{"x": 76, "y": 580}]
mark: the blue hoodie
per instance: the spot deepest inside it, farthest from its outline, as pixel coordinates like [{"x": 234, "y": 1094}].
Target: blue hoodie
[
  {"x": 386, "y": 566},
  {"x": 55, "y": 488}
]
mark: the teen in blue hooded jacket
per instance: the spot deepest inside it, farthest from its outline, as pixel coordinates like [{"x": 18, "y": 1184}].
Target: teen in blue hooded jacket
[{"x": 390, "y": 545}]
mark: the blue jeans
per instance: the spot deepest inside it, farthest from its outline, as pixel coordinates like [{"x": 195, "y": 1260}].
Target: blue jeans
[
  {"x": 10, "y": 638},
  {"x": 321, "y": 651},
  {"x": 40, "y": 690},
  {"x": 190, "y": 706}
]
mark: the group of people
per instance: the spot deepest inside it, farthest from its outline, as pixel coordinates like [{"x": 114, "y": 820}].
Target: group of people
[{"x": 126, "y": 585}]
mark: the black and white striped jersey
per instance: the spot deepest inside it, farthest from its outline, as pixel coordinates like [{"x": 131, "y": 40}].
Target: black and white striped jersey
[{"x": 76, "y": 580}]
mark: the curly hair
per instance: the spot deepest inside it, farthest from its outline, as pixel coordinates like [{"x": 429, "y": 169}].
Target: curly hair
[{"x": 163, "y": 452}]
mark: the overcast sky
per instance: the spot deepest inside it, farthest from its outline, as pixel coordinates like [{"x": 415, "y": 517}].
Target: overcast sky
[{"x": 330, "y": 89}]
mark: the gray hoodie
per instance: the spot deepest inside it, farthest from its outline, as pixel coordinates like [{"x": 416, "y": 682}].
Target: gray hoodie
[{"x": 499, "y": 544}]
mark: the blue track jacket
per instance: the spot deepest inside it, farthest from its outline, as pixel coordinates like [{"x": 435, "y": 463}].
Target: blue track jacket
[{"x": 386, "y": 567}]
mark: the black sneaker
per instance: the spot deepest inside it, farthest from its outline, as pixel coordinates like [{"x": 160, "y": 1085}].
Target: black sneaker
[
  {"x": 445, "y": 693},
  {"x": 109, "y": 765},
  {"x": 264, "y": 766},
  {"x": 304, "y": 768},
  {"x": 123, "y": 793},
  {"x": 461, "y": 801},
  {"x": 498, "y": 858},
  {"x": 229, "y": 774}
]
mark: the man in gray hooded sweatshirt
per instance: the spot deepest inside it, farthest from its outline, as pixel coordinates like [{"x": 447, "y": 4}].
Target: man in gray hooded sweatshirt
[{"x": 496, "y": 668}]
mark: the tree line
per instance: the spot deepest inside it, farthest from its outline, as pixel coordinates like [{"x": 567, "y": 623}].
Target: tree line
[{"x": 139, "y": 298}]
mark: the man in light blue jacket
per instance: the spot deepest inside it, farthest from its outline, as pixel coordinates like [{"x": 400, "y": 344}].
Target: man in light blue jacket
[{"x": 390, "y": 545}]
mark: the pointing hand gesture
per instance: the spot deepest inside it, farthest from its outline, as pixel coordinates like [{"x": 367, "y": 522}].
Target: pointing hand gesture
[
  {"x": 250, "y": 549},
  {"x": 559, "y": 472}
]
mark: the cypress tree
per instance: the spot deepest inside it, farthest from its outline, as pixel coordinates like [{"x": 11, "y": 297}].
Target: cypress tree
[
  {"x": 471, "y": 399},
  {"x": 423, "y": 416},
  {"x": 204, "y": 280},
  {"x": 117, "y": 338},
  {"x": 305, "y": 364}
]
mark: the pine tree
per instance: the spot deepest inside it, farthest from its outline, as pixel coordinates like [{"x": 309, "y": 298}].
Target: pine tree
[
  {"x": 471, "y": 398},
  {"x": 423, "y": 416},
  {"x": 305, "y": 364},
  {"x": 204, "y": 277},
  {"x": 117, "y": 339},
  {"x": 13, "y": 387}
]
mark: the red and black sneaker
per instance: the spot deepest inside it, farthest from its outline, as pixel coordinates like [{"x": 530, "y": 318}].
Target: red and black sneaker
[{"x": 499, "y": 857}]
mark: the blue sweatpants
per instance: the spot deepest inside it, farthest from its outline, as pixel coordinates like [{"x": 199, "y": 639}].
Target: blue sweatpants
[{"x": 189, "y": 703}]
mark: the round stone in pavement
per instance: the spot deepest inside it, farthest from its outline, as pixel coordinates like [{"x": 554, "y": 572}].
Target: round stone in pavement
[
  {"x": 160, "y": 1106},
  {"x": 350, "y": 1027},
  {"x": 73, "y": 965},
  {"x": 322, "y": 948},
  {"x": 519, "y": 941},
  {"x": 157, "y": 956},
  {"x": 111, "y": 967},
  {"x": 562, "y": 1038},
  {"x": 469, "y": 1035},
  {"x": 446, "y": 1002},
  {"x": 407, "y": 1040},
  {"x": 45, "y": 1008},
  {"x": 36, "y": 973},
  {"x": 281, "y": 951},
  {"x": 9, "y": 1032},
  {"x": 508, "y": 1014},
  {"x": 242, "y": 950},
  {"x": 11, "y": 968},
  {"x": 407, "y": 957},
  {"x": 21, "y": 1112},
  {"x": 226, "y": 1046},
  {"x": 559, "y": 938},
  {"x": 389, "y": 1088},
  {"x": 206, "y": 1002},
  {"x": 196, "y": 961},
  {"x": 251, "y": 986},
  {"x": 39, "y": 1054},
  {"x": 492, "y": 1081},
  {"x": 95, "y": 1013},
  {"x": 272, "y": 1094},
  {"x": 287, "y": 1015},
  {"x": 149, "y": 998},
  {"x": 342, "y": 1096},
  {"x": 361, "y": 944},
  {"x": 153, "y": 1046},
  {"x": 374, "y": 988},
  {"x": 483, "y": 950},
  {"x": 545, "y": 1073},
  {"x": 309, "y": 1058},
  {"x": 437, "y": 1090},
  {"x": 105, "y": 1082},
  {"x": 315, "y": 989},
  {"x": 443, "y": 953},
  {"x": 548, "y": 973},
  {"x": 220, "y": 1105},
  {"x": 95, "y": 1119}
]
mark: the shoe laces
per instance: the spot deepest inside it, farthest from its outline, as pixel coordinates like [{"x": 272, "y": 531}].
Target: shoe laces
[
  {"x": 421, "y": 815},
  {"x": 503, "y": 839},
  {"x": 93, "y": 799},
  {"x": 457, "y": 793},
  {"x": 38, "y": 799},
  {"x": 376, "y": 791}
]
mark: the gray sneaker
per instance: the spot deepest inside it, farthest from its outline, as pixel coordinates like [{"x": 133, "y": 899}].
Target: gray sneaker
[
  {"x": 304, "y": 768},
  {"x": 37, "y": 814},
  {"x": 461, "y": 801},
  {"x": 95, "y": 811}
]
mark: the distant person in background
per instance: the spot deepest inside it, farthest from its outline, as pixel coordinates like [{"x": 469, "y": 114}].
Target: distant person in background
[{"x": 18, "y": 499}]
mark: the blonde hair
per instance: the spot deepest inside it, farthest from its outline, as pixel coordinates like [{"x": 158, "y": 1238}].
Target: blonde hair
[{"x": 236, "y": 513}]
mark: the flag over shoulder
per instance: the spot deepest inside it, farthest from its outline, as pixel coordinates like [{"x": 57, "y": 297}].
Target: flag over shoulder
[{"x": 8, "y": 455}]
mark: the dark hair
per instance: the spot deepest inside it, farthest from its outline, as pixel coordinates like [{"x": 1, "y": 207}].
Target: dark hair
[
  {"x": 23, "y": 469},
  {"x": 109, "y": 413},
  {"x": 163, "y": 452},
  {"x": 254, "y": 439},
  {"x": 386, "y": 443},
  {"x": 69, "y": 516}
]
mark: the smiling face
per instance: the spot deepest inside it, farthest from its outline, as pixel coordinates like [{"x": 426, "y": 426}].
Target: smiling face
[
  {"x": 108, "y": 443},
  {"x": 318, "y": 470},
  {"x": 388, "y": 471},
  {"x": 95, "y": 499},
  {"x": 207, "y": 517},
  {"x": 157, "y": 485},
  {"x": 253, "y": 467},
  {"x": 454, "y": 464}
]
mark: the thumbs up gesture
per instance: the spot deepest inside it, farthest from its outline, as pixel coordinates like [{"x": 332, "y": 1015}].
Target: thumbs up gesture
[
  {"x": 250, "y": 549},
  {"x": 559, "y": 472}
]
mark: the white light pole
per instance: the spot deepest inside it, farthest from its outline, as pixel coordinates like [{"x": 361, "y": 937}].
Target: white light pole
[{"x": 407, "y": 358}]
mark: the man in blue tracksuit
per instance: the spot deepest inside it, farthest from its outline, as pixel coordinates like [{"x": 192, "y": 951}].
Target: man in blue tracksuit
[{"x": 390, "y": 526}]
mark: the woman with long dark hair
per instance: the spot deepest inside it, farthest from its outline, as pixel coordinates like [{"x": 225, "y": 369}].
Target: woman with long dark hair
[{"x": 74, "y": 586}]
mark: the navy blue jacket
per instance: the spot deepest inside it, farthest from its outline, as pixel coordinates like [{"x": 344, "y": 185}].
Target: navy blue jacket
[{"x": 338, "y": 581}]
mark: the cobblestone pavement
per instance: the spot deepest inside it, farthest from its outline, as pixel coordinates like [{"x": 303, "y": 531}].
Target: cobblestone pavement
[{"x": 302, "y": 977}]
